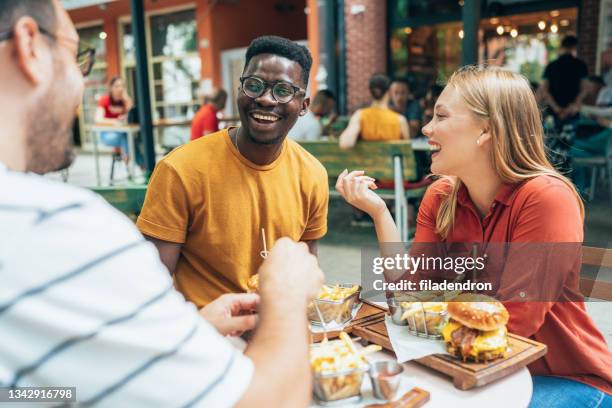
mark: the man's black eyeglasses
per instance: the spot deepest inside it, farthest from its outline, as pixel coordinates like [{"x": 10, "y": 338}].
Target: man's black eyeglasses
[
  {"x": 282, "y": 92},
  {"x": 85, "y": 58}
]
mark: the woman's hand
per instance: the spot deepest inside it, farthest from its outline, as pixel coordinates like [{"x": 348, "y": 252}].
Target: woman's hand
[{"x": 356, "y": 188}]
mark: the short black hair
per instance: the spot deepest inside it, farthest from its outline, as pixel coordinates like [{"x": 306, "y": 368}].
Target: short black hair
[
  {"x": 569, "y": 41},
  {"x": 42, "y": 11},
  {"x": 379, "y": 85},
  {"x": 283, "y": 47},
  {"x": 326, "y": 93},
  {"x": 402, "y": 80}
]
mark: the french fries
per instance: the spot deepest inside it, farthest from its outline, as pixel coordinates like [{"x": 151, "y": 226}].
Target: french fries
[
  {"x": 328, "y": 292},
  {"x": 336, "y": 292},
  {"x": 338, "y": 368},
  {"x": 425, "y": 317}
]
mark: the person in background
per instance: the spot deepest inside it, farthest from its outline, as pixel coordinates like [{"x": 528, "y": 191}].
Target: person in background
[
  {"x": 429, "y": 101},
  {"x": 205, "y": 120},
  {"x": 564, "y": 83},
  {"x": 595, "y": 85},
  {"x": 113, "y": 108},
  {"x": 307, "y": 128},
  {"x": 85, "y": 301},
  {"x": 604, "y": 97},
  {"x": 378, "y": 122},
  {"x": 324, "y": 108},
  {"x": 593, "y": 145},
  {"x": 498, "y": 187},
  {"x": 404, "y": 103}
]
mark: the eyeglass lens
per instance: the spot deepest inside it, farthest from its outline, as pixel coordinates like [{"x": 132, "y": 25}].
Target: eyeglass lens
[{"x": 281, "y": 92}]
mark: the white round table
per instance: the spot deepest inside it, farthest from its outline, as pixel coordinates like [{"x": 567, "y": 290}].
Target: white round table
[{"x": 511, "y": 391}]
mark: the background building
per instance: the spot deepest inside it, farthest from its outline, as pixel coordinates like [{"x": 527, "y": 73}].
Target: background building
[{"x": 196, "y": 45}]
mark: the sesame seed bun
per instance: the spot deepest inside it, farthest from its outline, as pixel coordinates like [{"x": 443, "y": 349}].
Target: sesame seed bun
[{"x": 478, "y": 312}]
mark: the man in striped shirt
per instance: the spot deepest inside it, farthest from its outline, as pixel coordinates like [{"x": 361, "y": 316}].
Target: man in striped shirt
[{"x": 84, "y": 300}]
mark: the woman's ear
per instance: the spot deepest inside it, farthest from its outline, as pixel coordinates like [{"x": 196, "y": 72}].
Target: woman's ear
[{"x": 484, "y": 138}]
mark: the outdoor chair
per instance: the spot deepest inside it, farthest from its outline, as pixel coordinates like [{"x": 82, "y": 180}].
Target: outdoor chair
[
  {"x": 116, "y": 158},
  {"x": 598, "y": 165}
]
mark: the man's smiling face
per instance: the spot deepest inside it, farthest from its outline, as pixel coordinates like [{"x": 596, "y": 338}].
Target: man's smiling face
[{"x": 266, "y": 120}]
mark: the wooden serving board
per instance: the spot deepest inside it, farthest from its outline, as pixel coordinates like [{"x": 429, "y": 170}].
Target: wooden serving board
[
  {"x": 466, "y": 375},
  {"x": 365, "y": 314}
]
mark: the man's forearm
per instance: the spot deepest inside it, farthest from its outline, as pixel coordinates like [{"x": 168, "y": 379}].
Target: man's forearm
[
  {"x": 279, "y": 351},
  {"x": 550, "y": 101}
]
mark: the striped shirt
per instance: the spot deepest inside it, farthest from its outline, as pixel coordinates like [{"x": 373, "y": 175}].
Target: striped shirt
[{"x": 85, "y": 302}]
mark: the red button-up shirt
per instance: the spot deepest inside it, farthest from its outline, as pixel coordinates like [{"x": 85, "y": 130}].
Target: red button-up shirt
[{"x": 540, "y": 210}]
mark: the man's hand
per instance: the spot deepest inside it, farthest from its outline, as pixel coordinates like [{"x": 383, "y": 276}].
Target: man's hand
[
  {"x": 232, "y": 314},
  {"x": 572, "y": 109},
  {"x": 290, "y": 271},
  {"x": 356, "y": 189}
]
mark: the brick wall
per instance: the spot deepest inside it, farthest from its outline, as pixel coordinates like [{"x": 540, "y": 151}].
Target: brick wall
[
  {"x": 366, "y": 48},
  {"x": 588, "y": 26}
]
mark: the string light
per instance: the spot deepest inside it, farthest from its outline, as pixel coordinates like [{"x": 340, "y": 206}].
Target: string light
[
  {"x": 564, "y": 23},
  {"x": 554, "y": 28},
  {"x": 555, "y": 13},
  {"x": 102, "y": 35},
  {"x": 461, "y": 34},
  {"x": 542, "y": 25},
  {"x": 514, "y": 33},
  {"x": 500, "y": 30},
  {"x": 408, "y": 30},
  {"x": 494, "y": 21}
]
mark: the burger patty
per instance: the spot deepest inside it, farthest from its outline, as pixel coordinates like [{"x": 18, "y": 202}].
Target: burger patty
[
  {"x": 463, "y": 338},
  {"x": 482, "y": 356}
]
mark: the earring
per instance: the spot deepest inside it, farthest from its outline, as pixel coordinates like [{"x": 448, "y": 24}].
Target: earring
[{"x": 478, "y": 142}]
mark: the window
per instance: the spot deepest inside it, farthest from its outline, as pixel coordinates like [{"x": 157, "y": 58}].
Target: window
[
  {"x": 174, "y": 63},
  {"x": 522, "y": 43},
  {"x": 427, "y": 53},
  {"x": 528, "y": 42}
]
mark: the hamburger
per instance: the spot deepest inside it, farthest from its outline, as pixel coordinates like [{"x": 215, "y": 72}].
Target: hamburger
[{"x": 476, "y": 329}]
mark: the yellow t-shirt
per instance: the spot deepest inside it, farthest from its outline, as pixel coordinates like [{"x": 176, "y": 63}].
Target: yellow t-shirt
[
  {"x": 380, "y": 124},
  {"x": 208, "y": 197}
]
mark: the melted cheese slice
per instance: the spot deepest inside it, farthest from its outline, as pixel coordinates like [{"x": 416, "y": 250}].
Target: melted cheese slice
[{"x": 494, "y": 341}]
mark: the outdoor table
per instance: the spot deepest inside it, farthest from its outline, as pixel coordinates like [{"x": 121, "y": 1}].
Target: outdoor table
[
  {"x": 172, "y": 122},
  {"x": 512, "y": 391},
  {"x": 130, "y": 130},
  {"x": 175, "y": 139}
]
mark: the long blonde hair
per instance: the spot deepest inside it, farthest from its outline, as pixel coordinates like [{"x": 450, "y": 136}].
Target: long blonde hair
[{"x": 505, "y": 100}]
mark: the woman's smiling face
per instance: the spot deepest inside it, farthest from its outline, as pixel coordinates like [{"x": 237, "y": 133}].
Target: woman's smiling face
[{"x": 453, "y": 134}]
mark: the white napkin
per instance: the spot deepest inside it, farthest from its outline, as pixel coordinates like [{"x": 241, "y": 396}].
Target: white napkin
[
  {"x": 409, "y": 347},
  {"x": 334, "y": 326}
]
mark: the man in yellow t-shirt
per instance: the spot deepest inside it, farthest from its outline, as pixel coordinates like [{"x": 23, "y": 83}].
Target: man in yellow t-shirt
[{"x": 209, "y": 200}]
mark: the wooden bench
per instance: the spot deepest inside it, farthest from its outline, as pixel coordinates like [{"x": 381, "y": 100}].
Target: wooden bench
[
  {"x": 392, "y": 163},
  {"x": 127, "y": 199}
]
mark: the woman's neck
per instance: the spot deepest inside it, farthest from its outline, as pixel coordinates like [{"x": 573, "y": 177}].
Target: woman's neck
[
  {"x": 482, "y": 188},
  {"x": 382, "y": 103}
]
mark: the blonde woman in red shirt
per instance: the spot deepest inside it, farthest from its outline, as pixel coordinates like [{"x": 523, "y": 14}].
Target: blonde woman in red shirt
[{"x": 497, "y": 186}]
